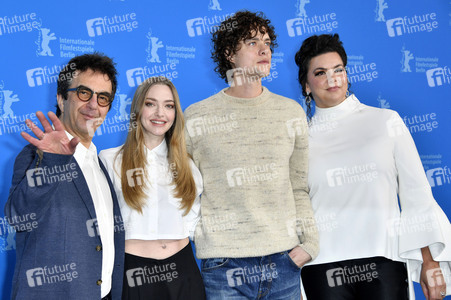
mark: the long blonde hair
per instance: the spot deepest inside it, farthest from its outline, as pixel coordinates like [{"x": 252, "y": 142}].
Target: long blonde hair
[{"x": 134, "y": 155}]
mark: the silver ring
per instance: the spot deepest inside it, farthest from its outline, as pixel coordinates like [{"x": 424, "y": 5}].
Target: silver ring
[{"x": 443, "y": 294}]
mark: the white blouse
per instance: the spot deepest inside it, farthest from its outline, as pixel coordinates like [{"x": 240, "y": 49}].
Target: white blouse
[
  {"x": 361, "y": 159},
  {"x": 161, "y": 217}
]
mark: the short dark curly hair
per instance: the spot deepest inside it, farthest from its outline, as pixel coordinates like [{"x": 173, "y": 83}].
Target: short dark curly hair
[
  {"x": 241, "y": 26},
  {"x": 313, "y": 46},
  {"x": 96, "y": 62}
]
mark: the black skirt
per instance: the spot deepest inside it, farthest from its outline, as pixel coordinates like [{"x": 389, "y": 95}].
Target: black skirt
[{"x": 176, "y": 277}]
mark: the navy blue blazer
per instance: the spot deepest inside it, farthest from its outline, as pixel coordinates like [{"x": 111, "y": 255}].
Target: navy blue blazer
[{"x": 58, "y": 248}]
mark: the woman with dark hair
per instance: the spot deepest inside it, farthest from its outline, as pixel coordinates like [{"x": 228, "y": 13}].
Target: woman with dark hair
[
  {"x": 158, "y": 188},
  {"x": 361, "y": 159}
]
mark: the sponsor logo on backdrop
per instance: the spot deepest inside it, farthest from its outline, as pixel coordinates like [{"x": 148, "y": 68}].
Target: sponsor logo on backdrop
[
  {"x": 8, "y": 241},
  {"x": 439, "y": 176},
  {"x": 67, "y": 47},
  {"x": 421, "y": 123},
  {"x": 9, "y": 226},
  {"x": 300, "y": 8},
  {"x": 120, "y": 105},
  {"x": 9, "y": 122},
  {"x": 431, "y": 160},
  {"x": 214, "y": 5},
  {"x": 359, "y": 71},
  {"x": 381, "y": 5},
  {"x": 383, "y": 103},
  {"x": 207, "y": 25},
  {"x": 407, "y": 56},
  {"x": 7, "y": 98},
  {"x": 438, "y": 76},
  {"x": 277, "y": 57},
  {"x": 152, "y": 48},
  {"x": 173, "y": 53},
  {"x": 421, "y": 63},
  {"x": 18, "y": 23},
  {"x": 312, "y": 25},
  {"x": 43, "y": 41},
  {"x": 136, "y": 76},
  {"x": 111, "y": 24},
  {"x": 411, "y": 25}
]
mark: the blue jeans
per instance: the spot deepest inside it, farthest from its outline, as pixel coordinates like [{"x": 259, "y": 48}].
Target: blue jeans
[{"x": 272, "y": 277}]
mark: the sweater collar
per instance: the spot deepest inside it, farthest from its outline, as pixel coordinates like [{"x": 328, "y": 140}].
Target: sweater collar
[{"x": 263, "y": 97}]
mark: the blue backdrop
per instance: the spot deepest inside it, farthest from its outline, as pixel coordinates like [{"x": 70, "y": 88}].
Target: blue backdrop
[{"x": 399, "y": 58}]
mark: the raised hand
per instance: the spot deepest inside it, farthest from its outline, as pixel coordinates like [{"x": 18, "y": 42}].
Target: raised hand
[{"x": 52, "y": 140}]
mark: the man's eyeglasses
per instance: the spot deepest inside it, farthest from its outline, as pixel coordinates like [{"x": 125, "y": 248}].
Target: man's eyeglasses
[{"x": 85, "y": 94}]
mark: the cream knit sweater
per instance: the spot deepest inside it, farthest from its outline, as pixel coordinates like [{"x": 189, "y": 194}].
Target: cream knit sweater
[{"x": 253, "y": 156}]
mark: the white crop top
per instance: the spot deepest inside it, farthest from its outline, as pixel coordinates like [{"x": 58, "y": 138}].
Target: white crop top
[{"x": 161, "y": 217}]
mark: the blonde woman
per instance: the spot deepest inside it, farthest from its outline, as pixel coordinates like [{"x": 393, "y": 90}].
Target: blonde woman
[{"x": 158, "y": 188}]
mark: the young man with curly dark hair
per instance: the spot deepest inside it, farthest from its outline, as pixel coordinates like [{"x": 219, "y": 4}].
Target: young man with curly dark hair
[{"x": 256, "y": 228}]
